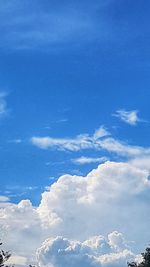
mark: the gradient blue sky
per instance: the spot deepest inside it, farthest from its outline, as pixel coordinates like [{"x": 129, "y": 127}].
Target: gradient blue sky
[
  {"x": 75, "y": 127},
  {"x": 66, "y": 68}
]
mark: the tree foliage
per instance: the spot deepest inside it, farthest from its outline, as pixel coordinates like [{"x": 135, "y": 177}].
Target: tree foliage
[
  {"x": 145, "y": 262},
  {"x": 4, "y": 256}
]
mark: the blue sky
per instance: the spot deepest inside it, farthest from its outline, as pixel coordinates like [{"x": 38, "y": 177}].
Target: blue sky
[
  {"x": 74, "y": 90},
  {"x": 66, "y": 68}
]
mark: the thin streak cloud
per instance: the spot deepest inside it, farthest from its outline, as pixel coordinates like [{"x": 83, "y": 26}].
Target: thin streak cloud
[
  {"x": 100, "y": 140},
  {"x": 87, "y": 160}
]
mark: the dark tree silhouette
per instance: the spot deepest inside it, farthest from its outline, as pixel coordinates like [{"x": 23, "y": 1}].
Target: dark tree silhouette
[
  {"x": 145, "y": 262},
  {"x": 4, "y": 256}
]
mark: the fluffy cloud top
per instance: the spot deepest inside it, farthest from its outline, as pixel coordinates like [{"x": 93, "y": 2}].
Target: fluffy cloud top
[
  {"x": 98, "y": 203},
  {"x": 94, "y": 252}
]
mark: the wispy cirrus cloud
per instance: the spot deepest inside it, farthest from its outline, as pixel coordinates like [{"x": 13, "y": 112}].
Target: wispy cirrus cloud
[
  {"x": 100, "y": 140},
  {"x": 82, "y": 141},
  {"x": 28, "y": 26},
  {"x": 130, "y": 117},
  {"x": 51, "y": 27}
]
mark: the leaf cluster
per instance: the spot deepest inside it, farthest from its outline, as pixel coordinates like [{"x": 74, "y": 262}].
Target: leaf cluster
[
  {"x": 4, "y": 256},
  {"x": 145, "y": 262}
]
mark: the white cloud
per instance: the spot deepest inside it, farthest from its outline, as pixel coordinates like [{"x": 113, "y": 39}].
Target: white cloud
[
  {"x": 130, "y": 117},
  {"x": 80, "y": 142},
  {"x": 73, "y": 201},
  {"x": 142, "y": 162},
  {"x": 20, "y": 222},
  {"x": 87, "y": 160},
  {"x": 100, "y": 140},
  {"x": 17, "y": 260},
  {"x": 81, "y": 208},
  {"x": 116, "y": 241},
  {"x": 100, "y": 132},
  {"x": 75, "y": 144},
  {"x": 95, "y": 252},
  {"x": 122, "y": 148}
]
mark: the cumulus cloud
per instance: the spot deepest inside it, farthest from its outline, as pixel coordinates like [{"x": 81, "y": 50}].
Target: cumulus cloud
[
  {"x": 113, "y": 190},
  {"x": 94, "y": 252},
  {"x": 130, "y": 117},
  {"x": 117, "y": 241},
  {"x": 20, "y": 222},
  {"x": 114, "y": 196},
  {"x": 142, "y": 162}
]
